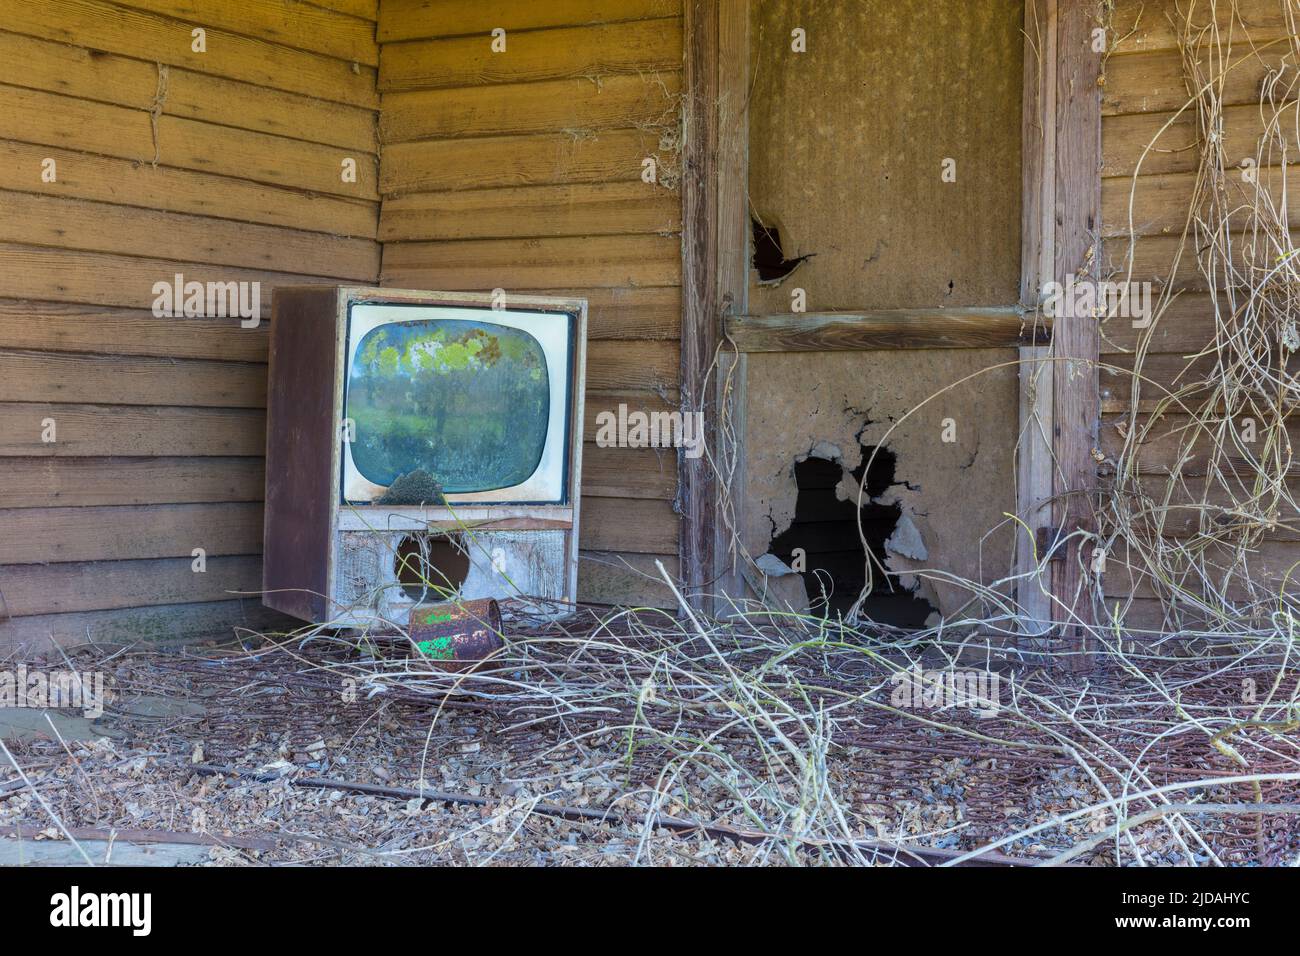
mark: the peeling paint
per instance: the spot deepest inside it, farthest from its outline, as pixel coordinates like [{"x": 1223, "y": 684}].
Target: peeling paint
[{"x": 906, "y": 541}]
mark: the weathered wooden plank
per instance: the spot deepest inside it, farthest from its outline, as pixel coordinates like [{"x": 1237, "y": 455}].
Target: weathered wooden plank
[
  {"x": 41, "y": 535},
  {"x": 157, "y": 39},
  {"x": 700, "y": 295},
  {"x": 1152, "y": 260},
  {"x": 1167, "y": 380},
  {"x": 1163, "y": 378},
  {"x": 1076, "y": 406},
  {"x": 634, "y": 47},
  {"x": 104, "y": 179},
  {"x": 613, "y": 102},
  {"x": 286, "y": 22},
  {"x": 1034, "y": 482},
  {"x": 49, "y": 119},
  {"x": 129, "y": 230},
  {"x": 34, "y": 116},
  {"x": 60, "y": 275},
  {"x": 63, "y": 327},
  {"x": 624, "y": 579},
  {"x": 93, "y": 75},
  {"x": 497, "y": 161},
  {"x": 78, "y": 482},
  {"x": 629, "y": 313},
  {"x": 1270, "y": 567},
  {"x": 102, "y": 585},
  {"x": 119, "y": 851},
  {"x": 595, "y": 209},
  {"x": 425, "y": 19},
  {"x": 729, "y": 295},
  {"x": 1172, "y": 140},
  {"x": 156, "y": 625},
  {"x": 610, "y": 400},
  {"x": 1187, "y": 325},
  {"x": 129, "y": 380},
  {"x": 1191, "y": 505},
  {"x": 1155, "y": 82},
  {"x": 1147, "y": 620},
  {"x": 881, "y": 329},
  {"x": 1143, "y": 26},
  {"x": 365, "y": 9},
  {"x": 213, "y": 99},
  {"x": 1161, "y": 204},
  {"x": 636, "y": 365},
  {"x": 76, "y": 71},
  {"x": 1038, "y": 150},
  {"x": 131, "y": 430},
  {"x": 518, "y": 264},
  {"x": 1178, "y": 442},
  {"x": 629, "y": 472},
  {"x": 1153, "y": 205},
  {"x": 625, "y": 524}
]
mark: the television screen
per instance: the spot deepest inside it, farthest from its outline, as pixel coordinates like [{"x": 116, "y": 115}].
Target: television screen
[{"x": 470, "y": 404}]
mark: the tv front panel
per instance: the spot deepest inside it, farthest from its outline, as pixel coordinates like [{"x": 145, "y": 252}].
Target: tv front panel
[
  {"x": 476, "y": 399},
  {"x": 429, "y": 429}
]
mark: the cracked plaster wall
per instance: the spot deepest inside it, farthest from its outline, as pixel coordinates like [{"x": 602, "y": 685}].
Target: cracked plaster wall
[{"x": 953, "y": 492}]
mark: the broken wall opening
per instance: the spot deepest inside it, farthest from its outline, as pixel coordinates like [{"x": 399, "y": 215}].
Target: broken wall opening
[
  {"x": 823, "y": 543},
  {"x": 954, "y": 468},
  {"x": 425, "y": 564}
]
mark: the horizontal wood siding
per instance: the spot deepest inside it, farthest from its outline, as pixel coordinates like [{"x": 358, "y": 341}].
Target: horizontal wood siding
[
  {"x": 222, "y": 166},
  {"x": 522, "y": 170},
  {"x": 1151, "y": 152}
]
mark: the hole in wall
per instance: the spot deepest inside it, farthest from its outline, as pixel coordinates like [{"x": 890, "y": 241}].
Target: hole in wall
[
  {"x": 769, "y": 259},
  {"x": 425, "y": 563},
  {"x": 826, "y": 529}
]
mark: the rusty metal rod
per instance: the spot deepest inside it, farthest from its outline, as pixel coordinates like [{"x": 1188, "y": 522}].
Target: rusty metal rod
[{"x": 907, "y": 856}]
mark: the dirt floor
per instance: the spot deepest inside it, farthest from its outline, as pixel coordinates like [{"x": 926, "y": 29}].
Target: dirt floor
[{"x": 632, "y": 741}]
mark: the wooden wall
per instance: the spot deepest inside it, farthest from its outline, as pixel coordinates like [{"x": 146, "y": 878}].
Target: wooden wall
[
  {"x": 522, "y": 170},
  {"x": 1146, "y": 196},
  {"x": 220, "y": 165}
]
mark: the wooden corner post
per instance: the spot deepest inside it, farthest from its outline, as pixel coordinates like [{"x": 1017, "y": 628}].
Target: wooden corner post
[
  {"x": 1034, "y": 485},
  {"x": 715, "y": 248},
  {"x": 701, "y": 327},
  {"x": 1076, "y": 339}
]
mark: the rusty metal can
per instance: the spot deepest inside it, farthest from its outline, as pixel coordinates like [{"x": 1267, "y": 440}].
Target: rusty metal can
[{"x": 456, "y": 635}]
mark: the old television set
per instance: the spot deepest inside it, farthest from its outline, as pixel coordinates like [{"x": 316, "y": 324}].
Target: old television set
[{"x": 421, "y": 446}]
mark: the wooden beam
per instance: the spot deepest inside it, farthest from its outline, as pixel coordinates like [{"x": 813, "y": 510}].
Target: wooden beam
[
  {"x": 1034, "y": 448},
  {"x": 701, "y": 332},
  {"x": 732, "y": 290},
  {"x": 966, "y": 328},
  {"x": 1076, "y": 410}
]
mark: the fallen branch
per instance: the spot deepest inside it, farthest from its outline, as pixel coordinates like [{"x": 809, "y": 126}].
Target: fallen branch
[{"x": 897, "y": 854}]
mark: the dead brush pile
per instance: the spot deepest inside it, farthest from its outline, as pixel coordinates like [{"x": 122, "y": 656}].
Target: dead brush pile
[
  {"x": 636, "y": 736},
  {"x": 813, "y": 741}
]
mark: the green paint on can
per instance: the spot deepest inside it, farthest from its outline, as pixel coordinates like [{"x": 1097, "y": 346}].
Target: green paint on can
[{"x": 439, "y": 648}]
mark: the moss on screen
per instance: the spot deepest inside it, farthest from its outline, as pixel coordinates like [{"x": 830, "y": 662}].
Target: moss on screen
[{"x": 465, "y": 401}]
